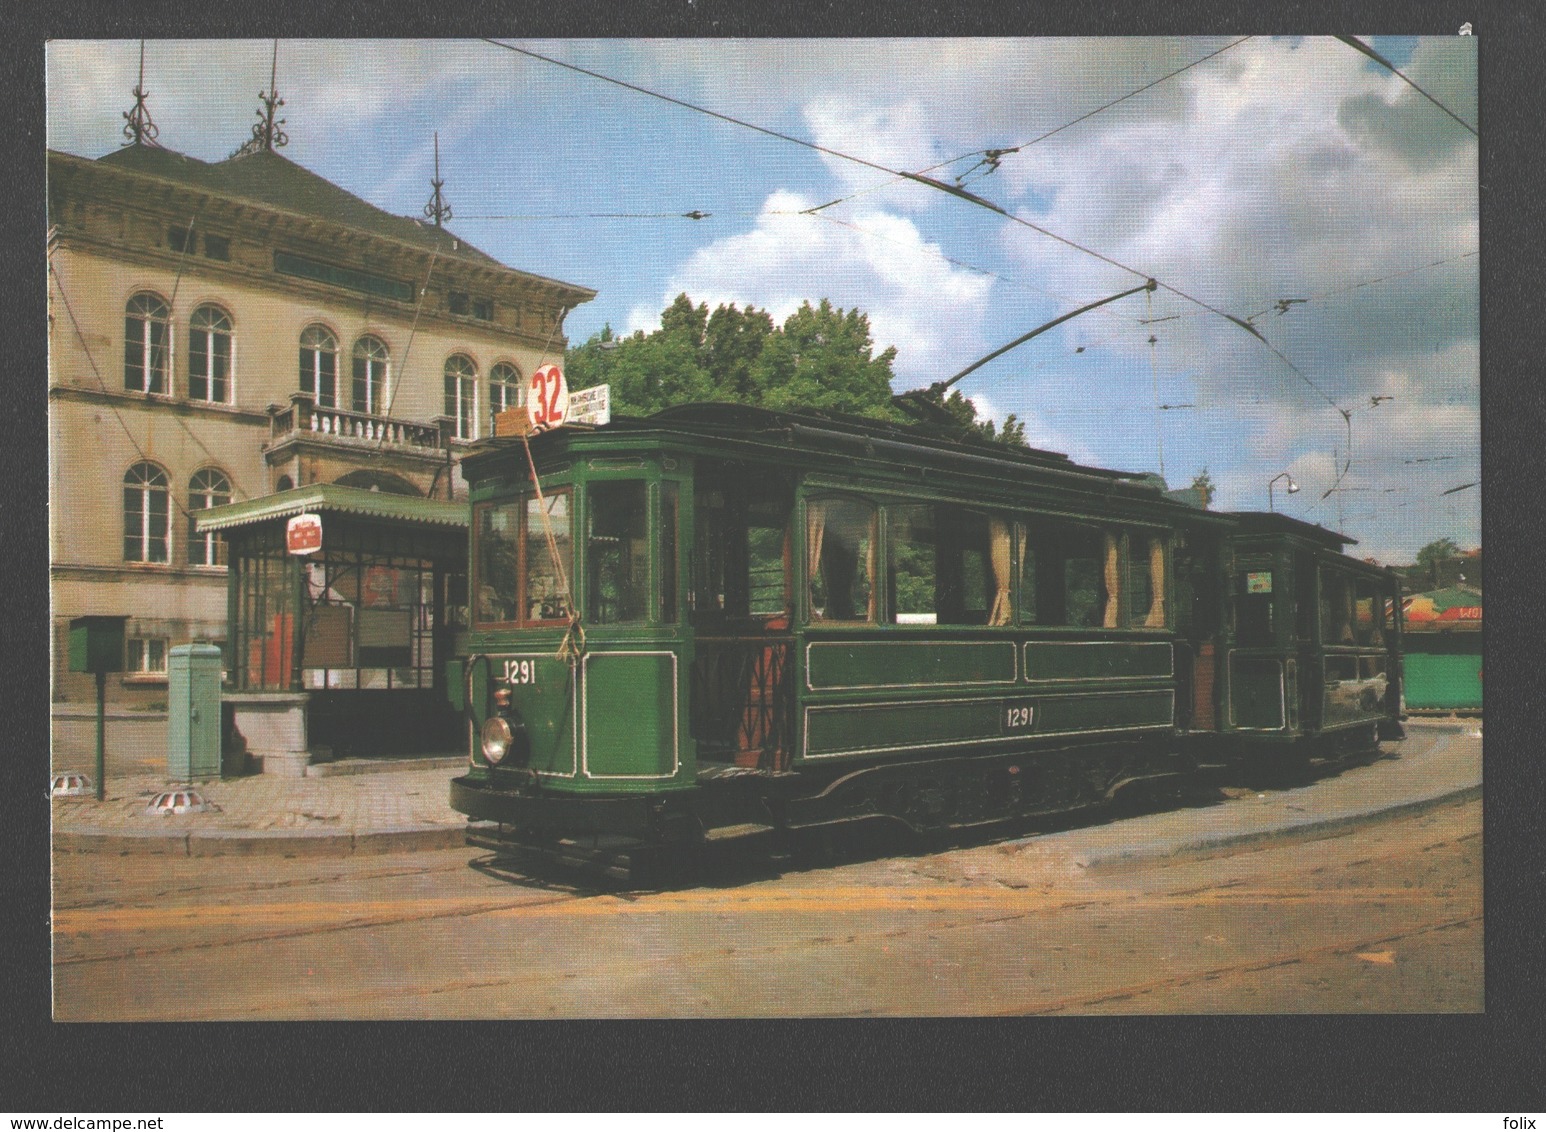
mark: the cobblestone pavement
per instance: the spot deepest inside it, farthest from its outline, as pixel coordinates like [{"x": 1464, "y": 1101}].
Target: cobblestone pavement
[{"x": 405, "y": 806}]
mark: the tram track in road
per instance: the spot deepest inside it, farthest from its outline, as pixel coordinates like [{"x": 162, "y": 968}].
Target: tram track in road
[
  {"x": 325, "y": 916},
  {"x": 979, "y": 930},
  {"x": 205, "y": 888},
  {"x": 1074, "y": 1003}
]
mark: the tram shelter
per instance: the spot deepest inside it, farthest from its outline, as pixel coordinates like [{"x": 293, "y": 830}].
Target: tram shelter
[{"x": 339, "y": 652}]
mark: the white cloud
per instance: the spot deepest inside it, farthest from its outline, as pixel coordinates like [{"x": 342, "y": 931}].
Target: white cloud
[{"x": 915, "y": 300}]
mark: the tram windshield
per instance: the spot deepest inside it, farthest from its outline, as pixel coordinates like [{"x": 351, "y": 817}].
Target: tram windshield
[{"x": 523, "y": 561}]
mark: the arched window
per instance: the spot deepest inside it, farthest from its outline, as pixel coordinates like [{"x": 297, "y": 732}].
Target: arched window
[
  {"x": 147, "y": 515},
  {"x": 462, "y": 395},
  {"x": 372, "y": 367},
  {"x": 319, "y": 365},
  {"x": 209, "y": 488},
  {"x": 145, "y": 339},
  {"x": 505, "y": 390},
  {"x": 209, "y": 355}
]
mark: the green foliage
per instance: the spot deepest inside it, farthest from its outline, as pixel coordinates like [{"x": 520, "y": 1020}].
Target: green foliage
[
  {"x": 1203, "y": 482},
  {"x": 1438, "y": 551},
  {"x": 821, "y": 358}
]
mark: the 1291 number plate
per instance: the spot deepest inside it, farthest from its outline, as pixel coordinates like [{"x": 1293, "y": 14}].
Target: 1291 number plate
[
  {"x": 1017, "y": 716},
  {"x": 519, "y": 672}
]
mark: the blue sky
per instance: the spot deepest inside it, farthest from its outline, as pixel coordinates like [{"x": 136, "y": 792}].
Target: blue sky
[{"x": 1278, "y": 168}]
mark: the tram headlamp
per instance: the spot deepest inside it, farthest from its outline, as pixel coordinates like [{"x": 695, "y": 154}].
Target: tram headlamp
[{"x": 497, "y": 738}]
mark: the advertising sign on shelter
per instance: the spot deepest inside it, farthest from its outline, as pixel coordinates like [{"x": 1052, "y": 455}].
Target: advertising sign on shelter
[{"x": 303, "y": 534}]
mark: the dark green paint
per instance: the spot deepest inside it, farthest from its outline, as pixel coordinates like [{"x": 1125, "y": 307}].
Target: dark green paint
[
  {"x": 630, "y": 715},
  {"x": 1060, "y": 660},
  {"x": 1256, "y": 692},
  {"x": 900, "y": 664}
]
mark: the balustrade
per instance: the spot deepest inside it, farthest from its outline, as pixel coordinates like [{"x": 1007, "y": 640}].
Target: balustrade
[{"x": 303, "y": 414}]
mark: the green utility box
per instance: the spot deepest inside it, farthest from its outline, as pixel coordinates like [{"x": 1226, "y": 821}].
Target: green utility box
[
  {"x": 96, "y": 644},
  {"x": 193, "y": 712}
]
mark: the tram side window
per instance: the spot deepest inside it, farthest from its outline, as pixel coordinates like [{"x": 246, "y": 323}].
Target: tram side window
[
  {"x": 946, "y": 566},
  {"x": 840, "y": 550},
  {"x": 1069, "y": 574},
  {"x": 617, "y": 553},
  {"x": 1255, "y": 603},
  {"x": 911, "y": 565},
  {"x": 1369, "y": 614},
  {"x": 1336, "y": 609},
  {"x": 742, "y": 532},
  {"x": 1146, "y": 580}
]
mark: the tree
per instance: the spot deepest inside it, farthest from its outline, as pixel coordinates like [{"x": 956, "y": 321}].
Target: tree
[
  {"x": 822, "y": 358},
  {"x": 1438, "y": 551},
  {"x": 1202, "y": 483}
]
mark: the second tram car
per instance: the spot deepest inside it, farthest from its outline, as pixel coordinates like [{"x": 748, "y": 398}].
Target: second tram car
[{"x": 720, "y": 623}]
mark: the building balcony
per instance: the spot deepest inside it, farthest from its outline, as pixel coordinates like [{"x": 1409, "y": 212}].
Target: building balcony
[{"x": 304, "y": 420}]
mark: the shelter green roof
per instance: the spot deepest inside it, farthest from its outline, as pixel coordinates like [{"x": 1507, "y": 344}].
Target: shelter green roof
[
  {"x": 332, "y": 497},
  {"x": 1451, "y": 597}
]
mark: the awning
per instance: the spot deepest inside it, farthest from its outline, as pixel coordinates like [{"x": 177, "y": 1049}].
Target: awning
[{"x": 322, "y": 497}]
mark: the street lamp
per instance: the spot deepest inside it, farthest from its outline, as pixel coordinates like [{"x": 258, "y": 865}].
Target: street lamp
[{"x": 1292, "y": 487}]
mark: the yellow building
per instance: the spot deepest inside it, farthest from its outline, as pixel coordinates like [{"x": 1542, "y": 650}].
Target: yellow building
[{"x": 222, "y": 331}]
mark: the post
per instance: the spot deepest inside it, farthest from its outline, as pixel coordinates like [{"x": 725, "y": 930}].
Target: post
[{"x": 101, "y": 734}]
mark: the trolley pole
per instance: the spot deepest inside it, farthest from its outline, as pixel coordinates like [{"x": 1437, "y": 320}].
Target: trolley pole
[{"x": 101, "y": 735}]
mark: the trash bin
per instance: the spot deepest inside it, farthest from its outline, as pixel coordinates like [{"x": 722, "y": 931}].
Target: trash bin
[{"x": 193, "y": 713}]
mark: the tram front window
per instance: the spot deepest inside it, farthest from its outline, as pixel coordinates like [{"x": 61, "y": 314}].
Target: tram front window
[
  {"x": 617, "y": 553},
  {"x": 518, "y": 578}
]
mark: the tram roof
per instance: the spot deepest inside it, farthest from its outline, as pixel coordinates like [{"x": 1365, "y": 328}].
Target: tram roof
[
  {"x": 1270, "y": 522},
  {"x": 338, "y": 499},
  {"x": 818, "y": 431}
]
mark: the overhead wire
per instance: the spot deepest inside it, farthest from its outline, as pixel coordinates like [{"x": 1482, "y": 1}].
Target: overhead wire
[
  {"x": 1359, "y": 46},
  {"x": 953, "y": 190},
  {"x": 992, "y": 157},
  {"x": 134, "y": 443},
  {"x": 113, "y": 408},
  {"x": 958, "y": 191}
]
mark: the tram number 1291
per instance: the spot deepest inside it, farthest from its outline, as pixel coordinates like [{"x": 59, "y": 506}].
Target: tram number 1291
[
  {"x": 519, "y": 672},
  {"x": 1017, "y": 716}
]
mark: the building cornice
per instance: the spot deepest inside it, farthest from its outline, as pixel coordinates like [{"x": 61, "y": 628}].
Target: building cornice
[
  {"x": 320, "y": 294},
  {"x": 176, "y": 203},
  {"x": 159, "y": 402}
]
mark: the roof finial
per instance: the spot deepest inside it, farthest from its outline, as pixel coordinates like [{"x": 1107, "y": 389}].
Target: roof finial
[
  {"x": 266, "y": 133},
  {"x": 437, "y": 209},
  {"x": 138, "y": 128}
]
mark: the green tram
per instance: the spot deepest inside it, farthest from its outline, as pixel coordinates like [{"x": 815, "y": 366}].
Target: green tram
[{"x": 721, "y": 622}]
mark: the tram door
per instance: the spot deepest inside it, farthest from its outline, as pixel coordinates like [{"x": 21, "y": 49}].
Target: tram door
[
  {"x": 1307, "y": 640},
  {"x": 1198, "y": 563},
  {"x": 742, "y": 709}
]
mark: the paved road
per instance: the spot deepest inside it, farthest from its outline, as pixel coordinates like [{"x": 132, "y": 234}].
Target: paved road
[{"x": 1383, "y": 915}]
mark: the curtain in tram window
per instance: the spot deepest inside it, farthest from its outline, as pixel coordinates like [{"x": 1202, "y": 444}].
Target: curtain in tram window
[
  {"x": 998, "y": 558},
  {"x": 815, "y": 529},
  {"x": 1027, "y": 593},
  {"x": 1113, "y": 585},
  {"x": 869, "y": 564},
  {"x": 1156, "y": 617}
]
